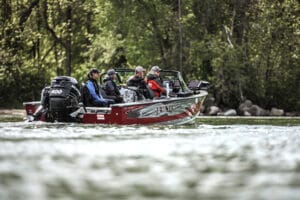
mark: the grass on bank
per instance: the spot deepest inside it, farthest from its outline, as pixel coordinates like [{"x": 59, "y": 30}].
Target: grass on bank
[
  {"x": 12, "y": 115},
  {"x": 276, "y": 121},
  {"x": 11, "y": 119}
]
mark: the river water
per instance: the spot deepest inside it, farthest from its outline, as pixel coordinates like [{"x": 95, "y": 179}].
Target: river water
[{"x": 63, "y": 161}]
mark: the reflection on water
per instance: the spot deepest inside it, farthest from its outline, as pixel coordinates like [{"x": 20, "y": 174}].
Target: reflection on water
[{"x": 63, "y": 161}]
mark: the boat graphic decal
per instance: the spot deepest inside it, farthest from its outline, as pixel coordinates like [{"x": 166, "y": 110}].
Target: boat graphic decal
[{"x": 163, "y": 109}]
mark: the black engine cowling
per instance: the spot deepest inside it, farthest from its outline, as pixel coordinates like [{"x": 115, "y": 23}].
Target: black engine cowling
[{"x": 61, "y": 99}]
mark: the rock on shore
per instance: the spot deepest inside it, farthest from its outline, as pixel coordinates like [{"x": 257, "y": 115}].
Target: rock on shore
[{"x": 246, "y": 108}]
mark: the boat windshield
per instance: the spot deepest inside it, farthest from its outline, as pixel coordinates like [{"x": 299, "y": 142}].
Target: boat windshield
[
  {"x": 174, "y": 79},
  {"x": 171, "y": 77}
]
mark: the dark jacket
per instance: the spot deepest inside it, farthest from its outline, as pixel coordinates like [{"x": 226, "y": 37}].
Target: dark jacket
[
  {"x": 142, "y": 87},
  {"x": 112, "y": 90},
  {"x": 110, "y": 87},
  {"x": 136, "y": 81}
]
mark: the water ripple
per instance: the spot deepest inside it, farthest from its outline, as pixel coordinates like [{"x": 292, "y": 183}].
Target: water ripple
[{"x": 71, "y": 161}]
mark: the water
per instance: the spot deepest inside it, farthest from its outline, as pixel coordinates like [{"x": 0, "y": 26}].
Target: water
[{"x": 63, "y": 161}]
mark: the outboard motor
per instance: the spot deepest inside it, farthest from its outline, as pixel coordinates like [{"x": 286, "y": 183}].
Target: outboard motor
[{"x": 64, "y": 97}]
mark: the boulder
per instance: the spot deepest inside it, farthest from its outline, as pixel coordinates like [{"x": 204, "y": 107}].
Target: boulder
[
  {"x": 246, "y": 113},
  {"x": 291, "y": 114},
  {"x": 213, "y": 110},
  {"x": 255, "y": 110},
  {"x": 220, "y": 114},
  {"x": 277, "y": 112},
  {"x": 245, "y": 106},
  {"x": 230, "y": 112}
]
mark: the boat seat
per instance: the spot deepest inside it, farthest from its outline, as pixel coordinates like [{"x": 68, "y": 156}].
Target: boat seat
[{"x": 86, "y": 97}]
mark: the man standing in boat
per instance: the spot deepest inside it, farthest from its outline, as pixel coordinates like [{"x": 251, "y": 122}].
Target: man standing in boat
[
  {"x": 139, "y": 82},
  {"x": 154, "y": 81},
  {"x": 95, "y": 98}
]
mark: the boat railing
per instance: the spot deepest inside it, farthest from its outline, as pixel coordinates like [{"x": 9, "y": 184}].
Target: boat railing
[{"x": 32, "y": 103}]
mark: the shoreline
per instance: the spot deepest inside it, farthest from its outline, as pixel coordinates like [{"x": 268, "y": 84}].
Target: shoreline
[
  {"x": 249, "y": 120},
  {"x": 12, "y": 112},
  {"x": 12, "y": 115},
  {"x": 248, "y": 117}
]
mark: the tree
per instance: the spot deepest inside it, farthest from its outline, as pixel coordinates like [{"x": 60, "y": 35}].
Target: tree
[{"x": 246, "y": 49}]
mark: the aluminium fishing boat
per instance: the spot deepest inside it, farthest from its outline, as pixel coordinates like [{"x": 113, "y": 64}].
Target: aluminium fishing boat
[{"x": 61, "y": 102}]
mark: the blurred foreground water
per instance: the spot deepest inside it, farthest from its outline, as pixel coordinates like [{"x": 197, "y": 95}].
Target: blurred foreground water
[{"x": 63, "y": 161}]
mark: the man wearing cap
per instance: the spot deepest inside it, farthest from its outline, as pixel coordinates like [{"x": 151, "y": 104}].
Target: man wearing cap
[
  {"x": 138, "y": 81},
  {"x": 96, "y": 99},
  {"x": 154, "y": 81},
  {"x": 110, "y": 86}
]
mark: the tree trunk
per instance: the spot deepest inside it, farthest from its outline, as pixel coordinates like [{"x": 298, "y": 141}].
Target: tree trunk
[
  {"x": 68, "y": 44},
  {"x": 239, "y": 18},
  {"x": 180, "y": 36}
]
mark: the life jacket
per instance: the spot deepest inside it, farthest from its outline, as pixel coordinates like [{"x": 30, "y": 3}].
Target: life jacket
[
  {"x": 96, "y": 86},
  {"x": 87, "y": 99},
  {"x": 154, "y": 84}
]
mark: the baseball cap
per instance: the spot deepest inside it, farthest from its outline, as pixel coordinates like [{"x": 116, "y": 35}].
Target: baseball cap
[
  {"x": 92, "y": 71},
  {"x": 111, "y": 72},
  {"x": 139, "y": 69},
  {"x": 155, "y": 68}
]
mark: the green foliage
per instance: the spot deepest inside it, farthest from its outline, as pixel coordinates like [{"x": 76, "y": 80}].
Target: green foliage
[{"x": 246, "y": 49}]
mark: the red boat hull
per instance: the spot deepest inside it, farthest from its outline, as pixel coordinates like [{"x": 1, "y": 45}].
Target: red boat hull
[
  {"x": 177, "y": 110},
  {"x": 165, "y": 111}
]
